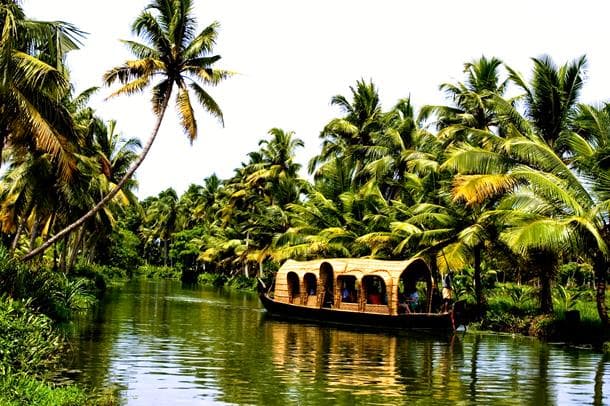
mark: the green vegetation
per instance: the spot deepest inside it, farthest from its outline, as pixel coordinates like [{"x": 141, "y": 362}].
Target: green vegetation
[
  {"x": 511, "y": 192},
  {"x": 507, "y": 184},
  {"x": 30, "y": 348},
  {"x": 21, "y": 390},
  {"x": 495, "y": 187}
]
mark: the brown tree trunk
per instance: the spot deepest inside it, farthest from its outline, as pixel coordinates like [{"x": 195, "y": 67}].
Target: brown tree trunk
[
  {"x": 20, "y": 227},
  {"x": 63, "y": 254},
  {"x": 112, "y": 193},
  {"x": 17, "y": 235},
  {"x": 34, "y": 233}
]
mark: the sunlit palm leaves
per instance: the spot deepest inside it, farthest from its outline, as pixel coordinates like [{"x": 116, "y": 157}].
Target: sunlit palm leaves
[{"x": 33, "y": 85}]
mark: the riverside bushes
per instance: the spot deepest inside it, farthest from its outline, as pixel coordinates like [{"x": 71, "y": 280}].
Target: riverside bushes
[
  {"x": 157, "y": 272},
  {"x": 219, "y": 280},
  {"x": 28, "y": 341},
  {"x": 31, "y": 302},
  {"x": 50, "y": 292},
  {"x": 29, "y": 346}
]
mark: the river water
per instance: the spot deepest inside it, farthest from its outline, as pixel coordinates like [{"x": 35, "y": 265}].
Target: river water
[{"x": 162, "y": 343}]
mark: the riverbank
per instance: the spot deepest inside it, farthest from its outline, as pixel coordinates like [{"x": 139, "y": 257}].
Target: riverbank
[
  {"x": 32, "y": 346},
  {"x": 33, "y": 302}
]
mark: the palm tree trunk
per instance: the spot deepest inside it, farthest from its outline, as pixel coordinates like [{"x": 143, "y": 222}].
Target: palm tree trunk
[
  {"x": 77, "y": 243},
  {"x": 601, "y": 272},
  {"x": 17, "y": 235},
  {"x": 3, "y": 134},
  {"x": 34, "y": 233},
  {"x": 546, "y": 264},
  {"x": 478, "y": 289},
  {"x": 63, "y": 254},
  {"x": 113, "y": 192},
  {"x": 20, "y": 227}
]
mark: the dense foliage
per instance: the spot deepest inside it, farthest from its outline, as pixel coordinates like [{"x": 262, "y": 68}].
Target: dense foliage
[{"x": 507, "y": 182}]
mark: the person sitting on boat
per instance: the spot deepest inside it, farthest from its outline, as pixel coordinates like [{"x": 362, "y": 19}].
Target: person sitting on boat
[
  {"x": 447, "y": 291},
  {"x": 412, "y": 300},
  {"x": 346, "y": 294}
]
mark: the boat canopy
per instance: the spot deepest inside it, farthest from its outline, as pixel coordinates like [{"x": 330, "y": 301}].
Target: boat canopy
[{"x": 340, "y": 269}]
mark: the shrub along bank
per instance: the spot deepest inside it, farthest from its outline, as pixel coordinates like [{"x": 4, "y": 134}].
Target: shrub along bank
[{"x": 32, "y": 301}]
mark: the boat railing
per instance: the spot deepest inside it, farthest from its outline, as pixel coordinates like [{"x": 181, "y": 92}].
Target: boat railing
[{"x": 376, "y": 308}]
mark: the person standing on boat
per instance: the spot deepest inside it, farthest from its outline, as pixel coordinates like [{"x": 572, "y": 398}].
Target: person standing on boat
[{"x": 447, "y": 291}]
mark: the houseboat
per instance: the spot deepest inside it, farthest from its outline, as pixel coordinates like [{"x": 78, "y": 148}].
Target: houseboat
[{"x": 359, "y": 292}]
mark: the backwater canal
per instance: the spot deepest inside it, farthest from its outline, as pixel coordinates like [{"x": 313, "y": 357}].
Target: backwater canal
[{"x": 164, "y": 343}]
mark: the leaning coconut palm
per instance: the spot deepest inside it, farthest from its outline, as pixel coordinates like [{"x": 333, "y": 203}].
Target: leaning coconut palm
[{"x": 178, "y": 57}]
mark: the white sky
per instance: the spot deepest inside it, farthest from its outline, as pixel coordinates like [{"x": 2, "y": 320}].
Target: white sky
[{"x": 293, "y": 56}]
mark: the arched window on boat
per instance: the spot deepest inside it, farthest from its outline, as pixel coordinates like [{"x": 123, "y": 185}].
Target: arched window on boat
[
  {"x": 294, "y": 288},
  {"x": 347, "y": 286},
  {"x": 311, "y": 284},
  {"x": 327, "y": 279},
  {"x": 415, "y": 288},
  {"x": 374, "y": 290}
]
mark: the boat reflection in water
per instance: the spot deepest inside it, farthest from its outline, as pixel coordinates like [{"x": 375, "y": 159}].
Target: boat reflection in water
[
  {"x": 361, "y": 366},
  {"x": 320, "y": 365}
]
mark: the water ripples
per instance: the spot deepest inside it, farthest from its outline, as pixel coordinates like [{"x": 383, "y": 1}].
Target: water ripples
[{"x": 163, "y": 344}]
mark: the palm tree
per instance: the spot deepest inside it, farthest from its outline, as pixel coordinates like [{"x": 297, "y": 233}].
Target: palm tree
[
  {"x": 473, "y": 101},
  {"x": 176, "y": 55},
  {"x": 400, "y": 151},
  {"x": 546, "y": 209},
  {"x": 521, "y": 155},
  {"x": 111, "y": 156},
  {"x": 550, "y": 100},
  {"x": 33, "y": 83},
  {"x": 589, "y": 153},
  {"x": 348, "y": 137},
  {"x": 163, "y": 219}
]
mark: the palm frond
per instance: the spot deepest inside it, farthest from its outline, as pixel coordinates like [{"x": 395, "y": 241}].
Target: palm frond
[
  {"x": 186, "y": 114},
  {"x": 207, "y": 102}
]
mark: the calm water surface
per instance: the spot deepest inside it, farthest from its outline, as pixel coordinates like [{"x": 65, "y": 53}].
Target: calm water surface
[{"x": 162, "y": 343}]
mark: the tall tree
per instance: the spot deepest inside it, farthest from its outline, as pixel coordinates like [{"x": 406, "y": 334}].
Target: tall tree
[
  {"x": 347, "y": 137},
  {"x": 551, "y": 97},
  {"x": 178, "y": 57},
  {"x": 33, "y": 82}
]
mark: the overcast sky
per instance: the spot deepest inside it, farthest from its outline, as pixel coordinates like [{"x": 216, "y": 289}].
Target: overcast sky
[{"x": 293, "y": 56}]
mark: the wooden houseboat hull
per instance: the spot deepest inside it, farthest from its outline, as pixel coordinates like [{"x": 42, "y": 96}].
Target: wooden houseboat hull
[{"x": 413, "y": 321}]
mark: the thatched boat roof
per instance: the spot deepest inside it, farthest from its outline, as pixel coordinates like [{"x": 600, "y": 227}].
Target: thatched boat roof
[{"x": 389, "y": 270}]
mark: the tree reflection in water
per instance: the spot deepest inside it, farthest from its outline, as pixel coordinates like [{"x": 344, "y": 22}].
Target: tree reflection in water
[{"x": 164, "y": 341}]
